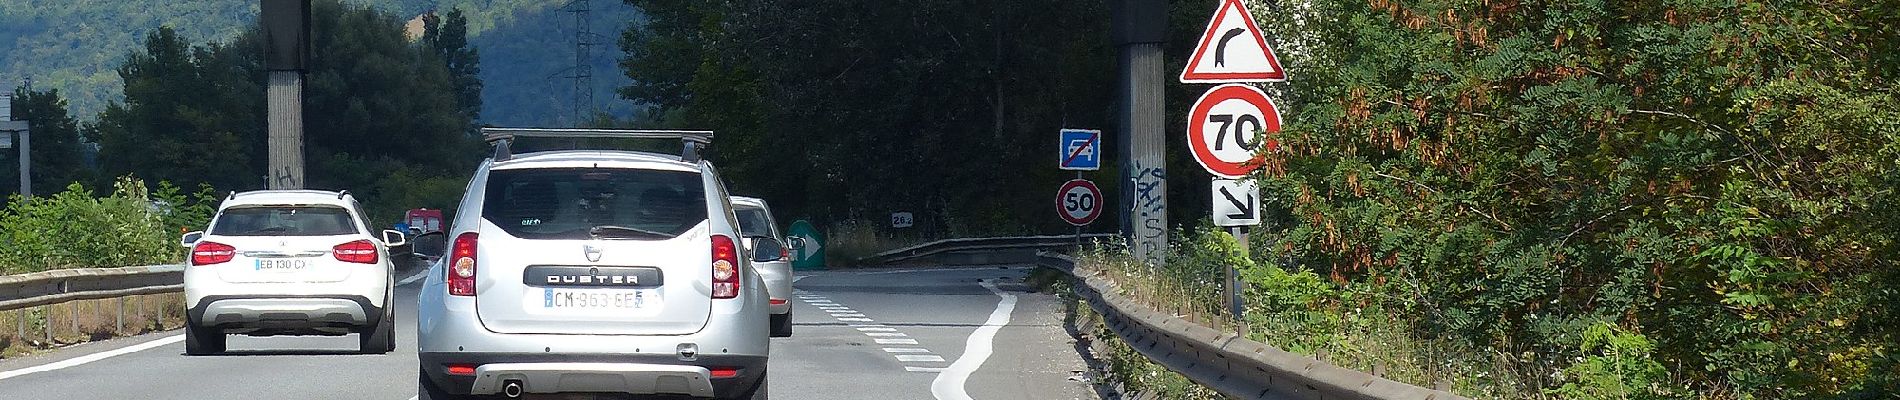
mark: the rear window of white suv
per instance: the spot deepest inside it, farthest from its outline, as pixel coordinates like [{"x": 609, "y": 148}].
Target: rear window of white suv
[
  {"x": 583, "y": 203},
  {"x": 284, "y": 221}
]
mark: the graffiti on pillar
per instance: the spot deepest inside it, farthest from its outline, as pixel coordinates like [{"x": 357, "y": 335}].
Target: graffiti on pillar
[
  {"x": 1151, "y": 211},
  {"x": 283, "y": 178}
]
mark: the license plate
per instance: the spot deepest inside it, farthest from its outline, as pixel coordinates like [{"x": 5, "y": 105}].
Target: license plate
[
  {"x": 594, "y": 299},
  {"x": 282, "y": 265}
]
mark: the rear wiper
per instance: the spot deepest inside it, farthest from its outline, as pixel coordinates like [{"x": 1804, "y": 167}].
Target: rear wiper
[{"x": 599, "y": 231}]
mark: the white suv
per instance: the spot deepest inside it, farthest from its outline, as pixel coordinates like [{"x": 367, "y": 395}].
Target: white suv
[
  {"x": 289, "y": 262},
  {"x": 594, "y": 271}
]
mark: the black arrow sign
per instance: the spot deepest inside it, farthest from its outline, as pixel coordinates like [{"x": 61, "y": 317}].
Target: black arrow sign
[
  {"x": 1246, "y": 207},
  {"x": 1220, "y": 50}
]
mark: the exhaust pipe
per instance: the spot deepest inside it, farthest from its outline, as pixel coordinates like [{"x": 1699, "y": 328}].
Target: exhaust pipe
[{"x": 511, "y": 388}]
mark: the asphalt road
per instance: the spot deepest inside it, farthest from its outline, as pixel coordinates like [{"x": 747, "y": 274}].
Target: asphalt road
[{"x": 929, "y": 333}]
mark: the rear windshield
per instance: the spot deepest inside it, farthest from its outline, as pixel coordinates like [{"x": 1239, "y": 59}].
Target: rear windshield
[
  {"x": 582, "y": 203},
  {"x": 284, "y": 221},
  {"x": 754, "y": 222}
]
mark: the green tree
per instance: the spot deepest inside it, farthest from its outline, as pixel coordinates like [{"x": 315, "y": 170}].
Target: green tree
[
  {"x": 374, "y": 103},
  {"x": 192, "y": 115},
  {"x": 842, "y": 111},
  {"x": 448, "y": 38},
  {"x": 1716, "y": 177},
  {"x": 58, "y": 156}
]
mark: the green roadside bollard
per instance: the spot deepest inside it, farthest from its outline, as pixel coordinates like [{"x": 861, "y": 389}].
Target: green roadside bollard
[{"x": 808, "y": 246}]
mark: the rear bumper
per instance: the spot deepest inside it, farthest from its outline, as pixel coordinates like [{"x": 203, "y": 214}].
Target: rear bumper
[
  {"x": 610, "y": 373},
  {"x": 778, "y": 283},
  {"x": 285, "y": 314}
]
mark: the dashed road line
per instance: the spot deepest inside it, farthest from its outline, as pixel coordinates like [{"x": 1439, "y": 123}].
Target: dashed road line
[
  {"x": 879, "y": 333},
  {"x": 412, "y": 278}
]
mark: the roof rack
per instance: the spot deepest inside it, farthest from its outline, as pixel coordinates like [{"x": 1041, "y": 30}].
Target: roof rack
[{"x": 693, "y": 143}]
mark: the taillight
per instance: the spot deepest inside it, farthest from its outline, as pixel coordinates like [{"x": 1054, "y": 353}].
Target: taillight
[
  {"x": 207, "y": 253},
  {"x": 462, "y": 369},
  {"x": 725, "y": 267},
  {"x": 784, "y": 253},
  {"x": 360, "y": 252},
  {"x": 462, "y": 265}
]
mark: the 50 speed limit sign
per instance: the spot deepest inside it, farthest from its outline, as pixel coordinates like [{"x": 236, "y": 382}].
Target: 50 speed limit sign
[
  {"x": 1079, "y": 202},
  {"x": 1222, "y": 128}
]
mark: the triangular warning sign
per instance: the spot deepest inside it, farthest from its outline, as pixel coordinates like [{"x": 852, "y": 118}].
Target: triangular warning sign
[{"x": 1232, "y": 50}]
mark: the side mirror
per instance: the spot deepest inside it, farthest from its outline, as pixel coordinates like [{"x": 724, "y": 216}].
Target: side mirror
[
  {"x": 765, "y": 249},
  {"x": 191, "y": 239},
  {"x": 429, "y": 245},
  {"x": 393, "y": 238}
]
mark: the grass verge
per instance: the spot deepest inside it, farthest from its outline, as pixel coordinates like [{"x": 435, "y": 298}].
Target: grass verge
[{"x": 32, "y": 329}]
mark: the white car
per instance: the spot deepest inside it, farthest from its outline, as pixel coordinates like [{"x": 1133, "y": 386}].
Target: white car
[
  {"x": 772, "y": 258},
  {"x": 289, "y": 262}
]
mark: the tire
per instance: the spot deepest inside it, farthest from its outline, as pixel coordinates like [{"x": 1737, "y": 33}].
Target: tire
[
  {"x": 756, "y": 393},
  {"x": 381, "y": 338},
  {"x": 203, "y": 341},
  {"x": 427, "y": 390},
  {"x": 782, "y": 325}
]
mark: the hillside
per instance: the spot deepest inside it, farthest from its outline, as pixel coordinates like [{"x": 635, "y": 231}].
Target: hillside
[{"x": 77, "y": 46}]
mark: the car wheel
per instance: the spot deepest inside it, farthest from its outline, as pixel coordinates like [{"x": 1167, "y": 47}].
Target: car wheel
[
  {"x": 426, "y": 389},
  {"x": 782, "y": 325},
  {"x": 380, "y": 338},
  {"x": 757, "y": 392},
  {"x": 203, "y": 341}
]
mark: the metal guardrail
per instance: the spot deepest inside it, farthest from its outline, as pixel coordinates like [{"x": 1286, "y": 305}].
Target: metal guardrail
[
  {"x": 970, "y": 244},
  {"x": 59, "y": 286},
  {"x": 1230, "y": 364}
]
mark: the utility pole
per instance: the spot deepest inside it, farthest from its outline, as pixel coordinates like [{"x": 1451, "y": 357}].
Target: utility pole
[
  {"x": 1139, "y": 29},
  {"x": 9, "y": 126},
  {"x": 583, "y": 69},
  {"x": 287, "y": 55}
]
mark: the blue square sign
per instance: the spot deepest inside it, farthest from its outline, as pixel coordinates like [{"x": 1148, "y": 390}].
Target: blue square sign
[{"x": 1080, "y": 150}]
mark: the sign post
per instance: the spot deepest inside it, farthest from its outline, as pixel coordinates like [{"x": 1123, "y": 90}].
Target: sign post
[
  {"x": 808, "y": 246},
  {"x": 1081, "y": 150},
  {"x": 1224, "y": 129},
  {"x": 1078, "y": 202},
  {"x": 1236, "y": 206},
  {"x": 1228, "y": 125}
]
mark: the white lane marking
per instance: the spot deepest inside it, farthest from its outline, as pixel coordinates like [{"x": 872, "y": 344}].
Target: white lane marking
[
  {"x": 949, "y": 384},
  {"x": 412, "y": 278},
  {"x": 895, "y": 341},
  {"x": 877, "y": 329},
  {"x": 906, "y": 271},
  {"x": 905, "y": 350},
  {"x": 867, "y": 325},
  {"x": 911, "y": 369},
  {"x": 919, "y": 358},
  {"x": 415, "y": 397},
  {"x": 855, "y": 319},
  {"x": 796, "y": 278},
  {"x": 848, "y": 315},
  {"x": 82, "y": 360},
  {"x": 886, "y": 334}
]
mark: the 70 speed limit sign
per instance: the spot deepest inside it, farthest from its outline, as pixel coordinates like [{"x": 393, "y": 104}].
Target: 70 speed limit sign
[
  {"x": 1079, "y": 202},
  {"x": 1223, "y": 125}
]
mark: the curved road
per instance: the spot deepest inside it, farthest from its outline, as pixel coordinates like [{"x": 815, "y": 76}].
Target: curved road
[{"x": 930, "y": 333}]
